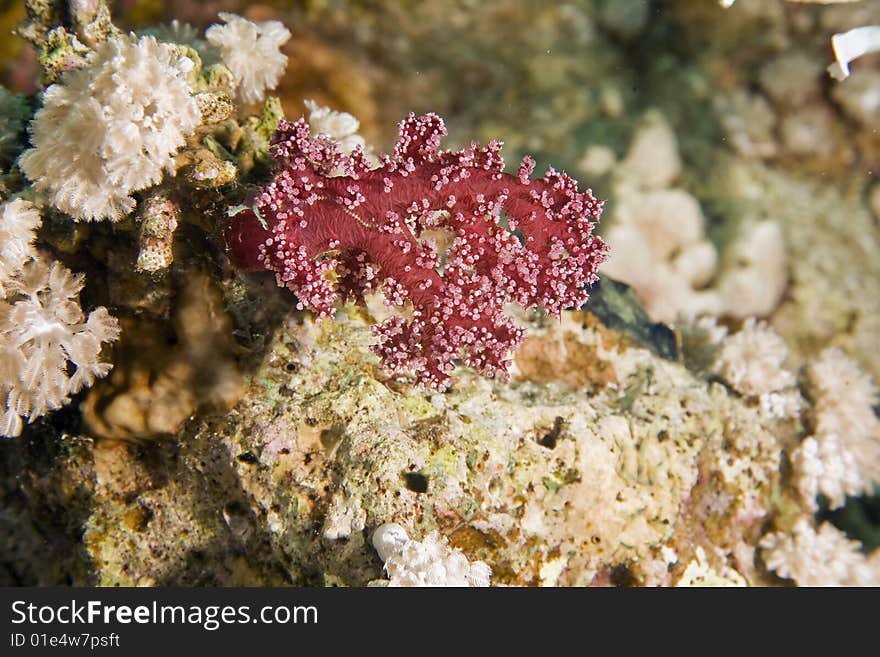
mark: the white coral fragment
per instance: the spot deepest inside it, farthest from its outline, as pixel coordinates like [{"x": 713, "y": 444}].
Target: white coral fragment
[
  {"x": 847, "y": 46},
  {"x": 18, "y": 221},
  {"x": 389, "y": 539},
  {"x": 111, "y": 128},
  {"x": 49, "y": 349},
  {"x": 252, "y": 51},
  {"x": 427, "y": 563},
  {"x": 851, "y": 45},
  {"x": 819, "y": 558}
]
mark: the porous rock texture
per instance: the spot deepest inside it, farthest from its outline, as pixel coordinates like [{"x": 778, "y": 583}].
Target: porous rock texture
[{"x": 596, "y": 474}]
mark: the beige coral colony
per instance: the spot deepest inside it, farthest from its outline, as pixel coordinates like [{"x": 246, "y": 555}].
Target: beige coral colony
[{"x": 241, "y": 346}]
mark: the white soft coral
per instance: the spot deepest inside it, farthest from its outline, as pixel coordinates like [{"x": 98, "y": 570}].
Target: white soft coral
[
  {"x": 252, "y": 51},
  {"x": 843, "y": 455},
  {"x": 342, "y": 128},
  {"x": 48, "y": 348},
  {"x": 825, "y": 466},
  {"x": 819, "y": 558},
  {"x": 18, "y": 221},
  {"x": 752, "y": 360},
  {"x": 112, "y": 127}
]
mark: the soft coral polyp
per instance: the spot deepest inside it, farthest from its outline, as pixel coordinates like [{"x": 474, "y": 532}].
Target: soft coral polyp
[{"x": 332, "y": 237}]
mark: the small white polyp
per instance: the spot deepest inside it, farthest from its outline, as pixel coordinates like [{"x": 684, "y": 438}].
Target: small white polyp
[{"x": 388, "y": 539}]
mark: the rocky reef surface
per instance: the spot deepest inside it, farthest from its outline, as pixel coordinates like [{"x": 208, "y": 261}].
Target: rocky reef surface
[
  {"x": 589, "y": 477},
  {"x": 601, "y": 462}
]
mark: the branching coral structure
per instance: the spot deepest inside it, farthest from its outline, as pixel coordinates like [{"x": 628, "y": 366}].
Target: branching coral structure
[{"x": 330, "y": 237}]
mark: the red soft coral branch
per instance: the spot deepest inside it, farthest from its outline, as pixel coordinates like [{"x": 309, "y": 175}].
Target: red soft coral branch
[{"x": 328, "y": 236}]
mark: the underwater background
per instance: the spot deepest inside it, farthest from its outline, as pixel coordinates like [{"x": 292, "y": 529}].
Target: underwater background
[{"x": 709, "y": 417}]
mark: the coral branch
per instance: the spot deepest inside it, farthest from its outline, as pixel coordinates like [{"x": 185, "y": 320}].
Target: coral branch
[{"x": 330, "y": 237}]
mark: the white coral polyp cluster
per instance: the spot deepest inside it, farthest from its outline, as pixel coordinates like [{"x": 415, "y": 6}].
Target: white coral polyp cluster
[
  {"x": 658, "y": 232},
  {"x": 842, "y": 457},
  {"x": 431, "y": 562},
  {"x": 825, "y": 466},
  {"x": 341, "y": 127},
  {"x": 751, "y": 360},
  {"x": 49, "y": 349},
  {"x": 819, "y": 558},
  {"x": 664, "y": 232},
  {"x": 18, "y": 221},
  {"x": 659, "y": 242},
  {"x": 252, "y": 52},
  {"x": 112, "y": 128}
]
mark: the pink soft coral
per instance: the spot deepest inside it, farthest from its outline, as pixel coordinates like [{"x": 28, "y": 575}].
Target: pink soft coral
[{"x": 328, "y": 236}]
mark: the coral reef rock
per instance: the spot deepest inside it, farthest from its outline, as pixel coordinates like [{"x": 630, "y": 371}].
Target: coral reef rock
[{"x": 634, "y": 471}]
